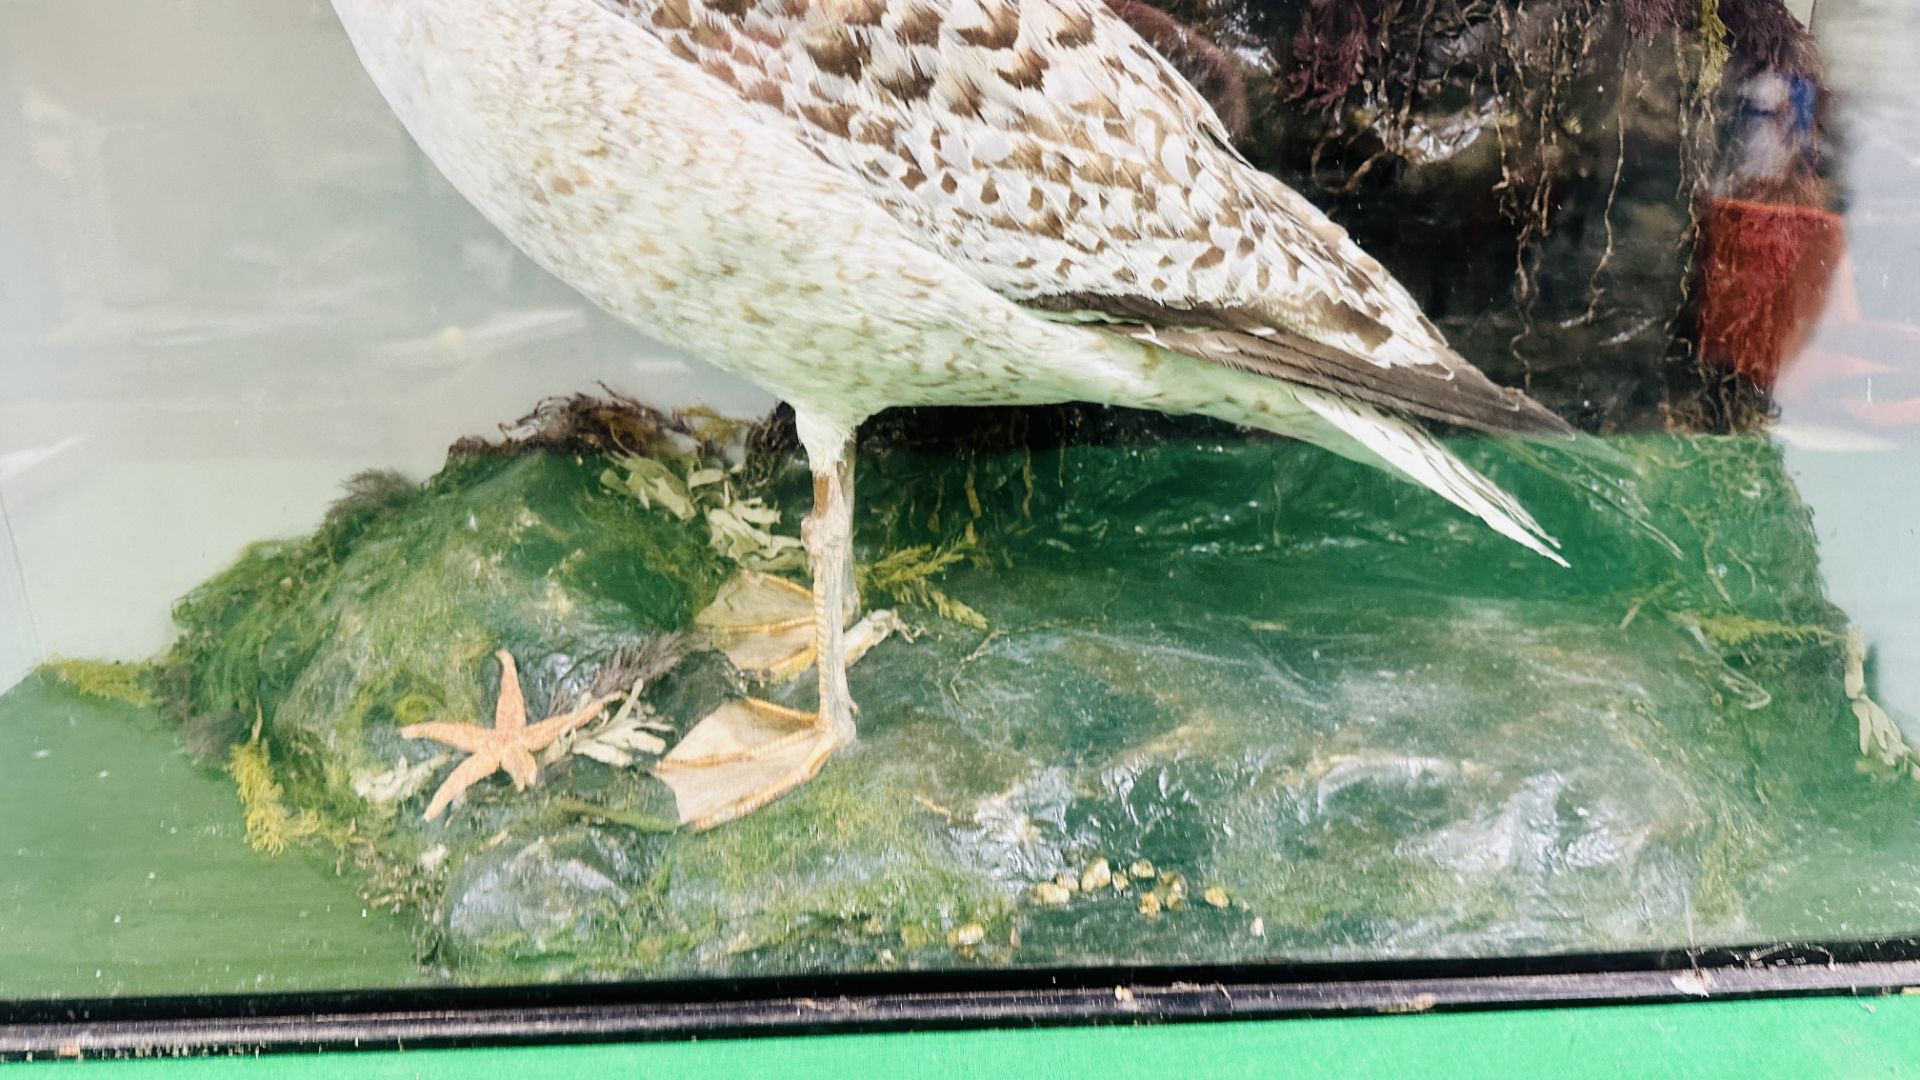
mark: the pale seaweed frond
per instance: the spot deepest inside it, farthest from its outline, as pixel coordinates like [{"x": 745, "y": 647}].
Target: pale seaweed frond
[
  {"x": 906, "y": 576},
  {"x": 1714, "y": 50},
  {"x": 271, "y": 827},
  {"x": 1734, "y": 630}
]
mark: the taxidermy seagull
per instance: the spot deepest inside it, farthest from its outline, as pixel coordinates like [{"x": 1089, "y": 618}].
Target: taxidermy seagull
[{"x": 860, "y": 204}]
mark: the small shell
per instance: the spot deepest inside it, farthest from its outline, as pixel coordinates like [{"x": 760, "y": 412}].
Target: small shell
[
  {"x": 1120, "y": 883},
  {"x": 1050, "y": 894},
  {"x": 1066, "y": 880},
  {"x": 1097, "y": 875},
  {"x": 1150, "y": 905},
  {"x": 1215, "y": 895},
  {"x": 1140, "y": 870},
  {"x": 966, "y": 937}
]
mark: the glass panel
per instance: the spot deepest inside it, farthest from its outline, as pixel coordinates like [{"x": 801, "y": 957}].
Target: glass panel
[{"x": 377, "y": 610}]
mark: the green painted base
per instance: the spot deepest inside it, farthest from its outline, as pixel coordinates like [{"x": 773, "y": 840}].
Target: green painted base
[{"x": 1804, "y": 1039}]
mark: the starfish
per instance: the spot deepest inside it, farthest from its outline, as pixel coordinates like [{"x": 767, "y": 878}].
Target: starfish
[
  {"x": 509, "y": 744},
  {"x": 863, "y": 204}
]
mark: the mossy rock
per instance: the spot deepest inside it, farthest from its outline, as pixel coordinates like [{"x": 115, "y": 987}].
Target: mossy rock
[{"x": 1363, "y": 721}]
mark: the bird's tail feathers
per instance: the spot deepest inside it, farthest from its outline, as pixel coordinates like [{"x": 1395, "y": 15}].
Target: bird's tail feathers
[
  {"x": 1606, "y": 478},
  {"x": 1416, "y": 455}
]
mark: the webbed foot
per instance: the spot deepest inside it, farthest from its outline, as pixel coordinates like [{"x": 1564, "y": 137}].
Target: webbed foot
[
  {"x": 765, "y": 626},
  {"x": 744, "y": 755},
  {"x": 748, "y": 752}
]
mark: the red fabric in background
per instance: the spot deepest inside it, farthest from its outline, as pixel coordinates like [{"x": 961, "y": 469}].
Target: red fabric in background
[{"x": 1764, "y": 281}]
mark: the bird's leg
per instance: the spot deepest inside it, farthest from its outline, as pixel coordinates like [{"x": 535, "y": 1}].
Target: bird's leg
[
  {"x": 750, "y": 752},
  {"x": 849, "y": 588},
  {"x": 828, "y": 533},
  {"x": 767, "y": 625}
]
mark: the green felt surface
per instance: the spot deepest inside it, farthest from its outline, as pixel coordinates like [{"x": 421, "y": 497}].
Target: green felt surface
[
  {"x": 123, "y": 870},
  {"x": 1752, "y": 1040}
]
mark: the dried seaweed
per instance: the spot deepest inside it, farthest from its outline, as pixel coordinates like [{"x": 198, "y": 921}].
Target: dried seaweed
[
  {"x": 1331, "y": 50},
  {"x": 906, "y": 577},
  {"x": 271, "y": 827},
  {"x": 610, "y": 424}
]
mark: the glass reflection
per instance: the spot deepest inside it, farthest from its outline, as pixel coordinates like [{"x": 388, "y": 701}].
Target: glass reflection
[{"x": 1168, "y": 692}]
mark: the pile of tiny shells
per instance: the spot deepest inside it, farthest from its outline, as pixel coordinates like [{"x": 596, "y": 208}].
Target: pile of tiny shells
[
  {"x": 1156, "y": 890},
  {"x": 1150, "y": 889}
]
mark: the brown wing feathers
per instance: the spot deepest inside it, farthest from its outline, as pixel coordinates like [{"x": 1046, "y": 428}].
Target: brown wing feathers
[
  {"x": 1463, "y": 396},
  {"x": 1456, "y": 393}
]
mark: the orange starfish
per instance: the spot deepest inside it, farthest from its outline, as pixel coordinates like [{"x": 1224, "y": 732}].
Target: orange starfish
[{"x": 509, "y": 744}]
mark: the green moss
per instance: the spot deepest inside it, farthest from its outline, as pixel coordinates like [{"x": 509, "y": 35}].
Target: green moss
[
  {"x": 834, "y": 870},
  {"x": 129, "y": 684},
  {"x": 1329, "y": 693}
]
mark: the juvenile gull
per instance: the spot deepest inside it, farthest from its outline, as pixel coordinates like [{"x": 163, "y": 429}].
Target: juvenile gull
[{"x": 861, "y": 204}]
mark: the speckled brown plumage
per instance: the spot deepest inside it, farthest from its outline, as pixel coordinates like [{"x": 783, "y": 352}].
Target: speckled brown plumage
[{"x": 1047, "y": 149}]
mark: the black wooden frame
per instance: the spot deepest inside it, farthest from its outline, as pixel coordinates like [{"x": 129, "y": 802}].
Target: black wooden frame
[{"x": 922, "y": 1000}]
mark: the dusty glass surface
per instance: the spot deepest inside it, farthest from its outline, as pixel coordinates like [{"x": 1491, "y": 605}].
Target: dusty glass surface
[{"x": 1152, "y": 690}]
